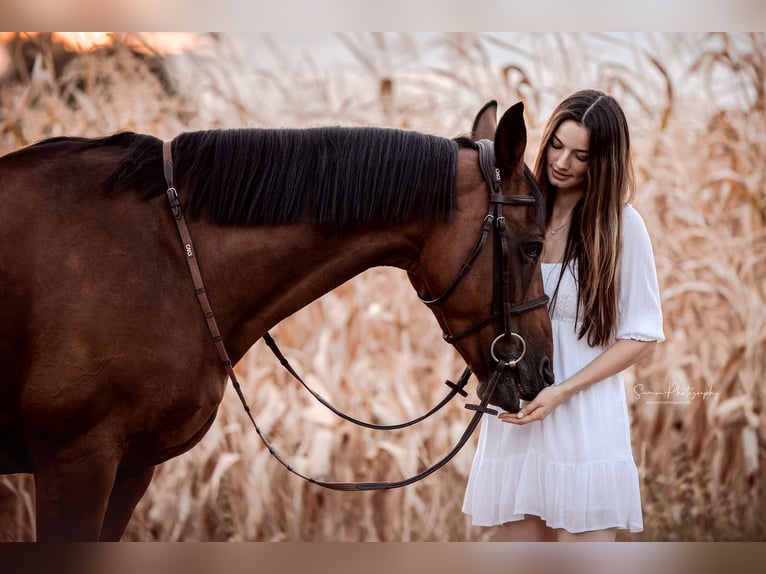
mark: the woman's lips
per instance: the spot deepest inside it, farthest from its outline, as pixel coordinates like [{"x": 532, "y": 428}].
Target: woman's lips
[{"x": 558, "y": 175}]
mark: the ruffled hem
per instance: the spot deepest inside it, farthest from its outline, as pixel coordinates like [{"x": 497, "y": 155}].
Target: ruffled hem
[{"x": 576, "y": 498}]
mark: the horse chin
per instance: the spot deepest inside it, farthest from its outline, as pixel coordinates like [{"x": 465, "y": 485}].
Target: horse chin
[
  {"x": 506, "y": 394},
  {"x": 511, "y": 404},
  {"x": 528, "y": 390}
]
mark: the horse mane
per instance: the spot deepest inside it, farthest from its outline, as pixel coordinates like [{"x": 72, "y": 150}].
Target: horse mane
[{"x": 330, "y": 176}]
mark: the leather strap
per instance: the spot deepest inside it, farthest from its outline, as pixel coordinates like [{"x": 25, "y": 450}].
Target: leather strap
[
  {"x": 191, "y": 260},
  {"x": 486, "y": 228},
  {"x": 456, "y": 388},
  {"x": 527, "y": 200}
]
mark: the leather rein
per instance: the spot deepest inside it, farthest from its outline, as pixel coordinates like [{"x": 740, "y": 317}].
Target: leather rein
[{"x": 502, "y": 308}]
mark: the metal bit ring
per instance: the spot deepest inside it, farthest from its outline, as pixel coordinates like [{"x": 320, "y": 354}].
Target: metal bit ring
[{"x": 512, "y": 364}]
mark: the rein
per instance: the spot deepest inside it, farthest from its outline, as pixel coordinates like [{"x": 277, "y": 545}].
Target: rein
[
  {"x": 501, "y": 303},
  {"x": 457, "y": 388}
]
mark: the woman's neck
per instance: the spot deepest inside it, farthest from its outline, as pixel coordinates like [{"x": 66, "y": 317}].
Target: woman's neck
[{"x": 564, "y": 207}]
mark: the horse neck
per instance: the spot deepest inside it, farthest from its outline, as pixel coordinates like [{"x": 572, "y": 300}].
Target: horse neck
[{"x": 258, "y": 276}]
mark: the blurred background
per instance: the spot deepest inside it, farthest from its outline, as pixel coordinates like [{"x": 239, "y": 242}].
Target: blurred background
[{"x": 696, "y": 104}]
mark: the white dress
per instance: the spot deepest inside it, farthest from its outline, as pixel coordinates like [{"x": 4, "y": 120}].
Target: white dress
[{"x": 575, "y": 468}]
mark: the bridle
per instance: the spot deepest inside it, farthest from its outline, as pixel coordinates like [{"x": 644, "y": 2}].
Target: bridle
[
  {"x": 502, "y": 296},
  {"x": 502, "y": 308}
]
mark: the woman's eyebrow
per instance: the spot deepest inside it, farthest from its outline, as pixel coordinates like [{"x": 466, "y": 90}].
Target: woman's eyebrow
[{"x": 555, "y": 137}]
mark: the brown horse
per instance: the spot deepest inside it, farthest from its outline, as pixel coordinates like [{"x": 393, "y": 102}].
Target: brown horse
[{"x": 106, "y": 362}]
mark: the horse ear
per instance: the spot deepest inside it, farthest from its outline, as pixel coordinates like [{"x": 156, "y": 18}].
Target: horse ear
[
  {"x": 511, "y": 140},
  {"x": 485, "y": 123}
]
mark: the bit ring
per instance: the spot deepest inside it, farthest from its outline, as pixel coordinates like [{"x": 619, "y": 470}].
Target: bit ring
[{"x": 512, "y": 364}]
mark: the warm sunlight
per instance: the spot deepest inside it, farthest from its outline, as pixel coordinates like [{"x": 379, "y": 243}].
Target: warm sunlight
[
  {"x": 164, "y": 42},
  {"x": 84, "y": 40}
]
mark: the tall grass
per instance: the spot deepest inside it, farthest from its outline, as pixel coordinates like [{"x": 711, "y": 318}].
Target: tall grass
[{"x": 696, "y": 105}]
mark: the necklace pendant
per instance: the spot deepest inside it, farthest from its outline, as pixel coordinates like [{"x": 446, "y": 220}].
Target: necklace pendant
[{"x": 553, "y": 232}]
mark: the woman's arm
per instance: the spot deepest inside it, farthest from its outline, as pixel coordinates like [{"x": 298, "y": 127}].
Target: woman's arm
[{"x": 621, "y": 355}]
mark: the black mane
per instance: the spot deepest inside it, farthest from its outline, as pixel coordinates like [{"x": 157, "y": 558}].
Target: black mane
[{"x": 332, "y": 176}]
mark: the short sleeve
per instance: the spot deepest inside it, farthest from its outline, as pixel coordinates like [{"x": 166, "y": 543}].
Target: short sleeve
[{"x": 640, "y": 312}]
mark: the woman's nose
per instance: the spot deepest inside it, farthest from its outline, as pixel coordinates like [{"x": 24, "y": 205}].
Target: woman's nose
[{"x": 562, "y": 160}]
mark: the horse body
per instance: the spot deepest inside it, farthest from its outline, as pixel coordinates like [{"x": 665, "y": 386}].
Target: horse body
[{"x": 107, "y": 364}]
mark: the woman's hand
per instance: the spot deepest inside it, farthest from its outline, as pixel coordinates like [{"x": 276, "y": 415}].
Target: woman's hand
[{"x": 547, "y": 400}]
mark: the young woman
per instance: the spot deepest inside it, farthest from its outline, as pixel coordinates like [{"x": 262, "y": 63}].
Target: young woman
[{"x": 562, "y": 467}]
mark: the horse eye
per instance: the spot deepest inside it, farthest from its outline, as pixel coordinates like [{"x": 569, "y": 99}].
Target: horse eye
[{"x": 533, "y": 249}]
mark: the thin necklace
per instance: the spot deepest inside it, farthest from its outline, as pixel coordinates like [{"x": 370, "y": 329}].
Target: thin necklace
[{"x": 555, "y": 231}]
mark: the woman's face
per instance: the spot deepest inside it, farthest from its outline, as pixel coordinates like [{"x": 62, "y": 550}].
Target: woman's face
[{"x": 567, "y": 156}]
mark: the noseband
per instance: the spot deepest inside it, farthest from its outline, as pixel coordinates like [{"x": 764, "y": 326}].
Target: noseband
[{"x": 502, "y": 296}]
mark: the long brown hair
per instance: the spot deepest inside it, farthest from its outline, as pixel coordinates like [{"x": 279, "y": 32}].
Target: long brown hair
[{"x": 595, "y": 234}]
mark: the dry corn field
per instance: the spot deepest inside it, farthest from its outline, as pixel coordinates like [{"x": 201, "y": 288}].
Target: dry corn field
[{"x": 697, "y": 107}]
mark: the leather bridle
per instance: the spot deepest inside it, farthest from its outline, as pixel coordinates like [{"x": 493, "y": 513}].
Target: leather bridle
[
  {"x": 502, "y": 308},
  {"x": 502, "y": 296}
]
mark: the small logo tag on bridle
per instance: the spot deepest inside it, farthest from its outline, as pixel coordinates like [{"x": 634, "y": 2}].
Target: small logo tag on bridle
[{"x": 189, "y": 252}]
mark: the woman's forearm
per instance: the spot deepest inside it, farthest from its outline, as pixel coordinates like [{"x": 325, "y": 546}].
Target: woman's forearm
[{"x": 621, "y": 355}]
